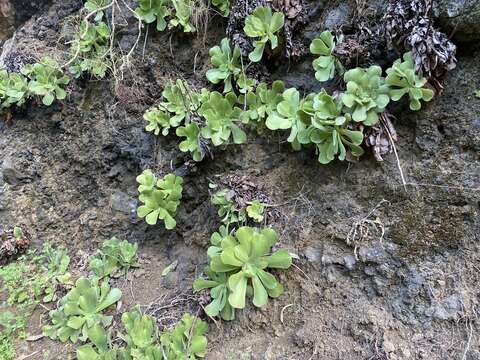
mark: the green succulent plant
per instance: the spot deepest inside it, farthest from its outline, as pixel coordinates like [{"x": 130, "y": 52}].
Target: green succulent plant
[
  {"x": 326, "y": 64},
  {"x": 13, "y": 89},
  {"x": 366, "y": 95},
  {"x": 186, "y": 340},
  {"x": 227, "y": 209},
  {"x": 98, "y": 347},
  {"x": 141, "y": 337},
  {"x": 402, "y": 80},
  {"x": 182, "y": 15},
  {"x": 288, "y": 115},
  {"x": 90, "y": 47},
  {"x": 159, "y": 120},
  {"x": 80, "y": 310},
  {"x": 245, "y": 84},
  {"x": 154, "y": 10},
  {"x": 226, "y": 62},
  {"x": 115, "y": 255},
  {"x": 46, "y": 80},
  {"x": 219, "y": 292},
  {"x": 95, "y": 6},
  {"x": 255, "y": 211},
  {"x": 180, "y": 100},
  {"x": 329, "y": 130},
  {"x": 263, "y": 25},
  {"x": 160, "y": 198},
  {"x": 246, "y": 262},
  {"x": 223, "y": 6},
  {"x": 192, "y": 142},
  {"x": 261, "y": 103},
  {"x": 221, "y": 116}
]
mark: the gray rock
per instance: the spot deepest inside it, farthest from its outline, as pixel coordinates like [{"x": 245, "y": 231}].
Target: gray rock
[
  {"x": 350, "y": 262},
  {"x": 313, "y": 254},
  {"x": 447, "y": 309},
  {"x": 121, "y": 202},
  {"x": 373, "y": 254},
  {"x": 338, "y": 15},
  {"x": 9, "y": 174},
  {"x": 461, "y": 17}
]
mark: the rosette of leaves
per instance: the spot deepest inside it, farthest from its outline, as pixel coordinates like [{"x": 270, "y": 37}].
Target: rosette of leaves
[
  {"x": 192, "y": 142},
  {"x": 326, "y": 64},
  {"x": 221, "y": 116},
  {"x": 99, "y": 347},
  {"x": 288, "y": 115},
  {"x": 402, "y": 80},
  {"x": 263, "y": 25},
  {"x": 80, "y": 310},
  {"x": 115, "y": 255},
  {"x": 154, "y": 10},
  {"x": 329, "y": 130},
  {"x": 227, "y": 209},
  {"x": 263, "y": 102},
  {"x": 223, "y": 6},
  {"x": 186, "y": 340},
  {"x": 90, "y": 46},
  {"x": 181, "y": 15},
  {"x": 55, "y": 262},
  {"x": 141, "y": 336},
  {"x": 180, "y": 100},
  {"x": 219, "y": 292},
  {"x": 245, "y": 265},
  {"x": 159, "y": 120},
  {"x": 160, "y": 198},
  {"x": 227, "y": 64},
  {"x": 255, "y": 211},
  {"x": 366, "y": 95},
  {"x": 46, "y": 80},
  {"x": 13, "y": 89}
]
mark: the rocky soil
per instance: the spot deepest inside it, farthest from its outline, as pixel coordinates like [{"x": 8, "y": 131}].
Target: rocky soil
[{"x": 383, "y": 271}]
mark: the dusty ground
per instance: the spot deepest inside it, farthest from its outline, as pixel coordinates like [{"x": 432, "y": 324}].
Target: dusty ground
[{"x": 411, "y": 293}]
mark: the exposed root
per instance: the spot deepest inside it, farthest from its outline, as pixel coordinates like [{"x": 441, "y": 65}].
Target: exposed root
[{"x": 361, "y": 229}]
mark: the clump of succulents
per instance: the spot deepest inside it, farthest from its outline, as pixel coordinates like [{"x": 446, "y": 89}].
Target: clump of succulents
[
  {"x": 46, "y": 80},
  {"x": 243, "y": 259},
  {"x": 366, "y": 95},
  {"x": 81, "y": 309},
  {"x": 159, "y": 197},
  {"x": 186, "y": 340},
  {"x": 222, "y": 115},
  {"x": 402, "y": 80},
  {"x": 114, "y": 256},
  {"x": 154, "y": 11},
  {"x": 90, "y": 48}
]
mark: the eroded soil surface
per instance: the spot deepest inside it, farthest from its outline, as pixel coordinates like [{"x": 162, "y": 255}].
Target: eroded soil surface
[{"x": 383, "y": 271}]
